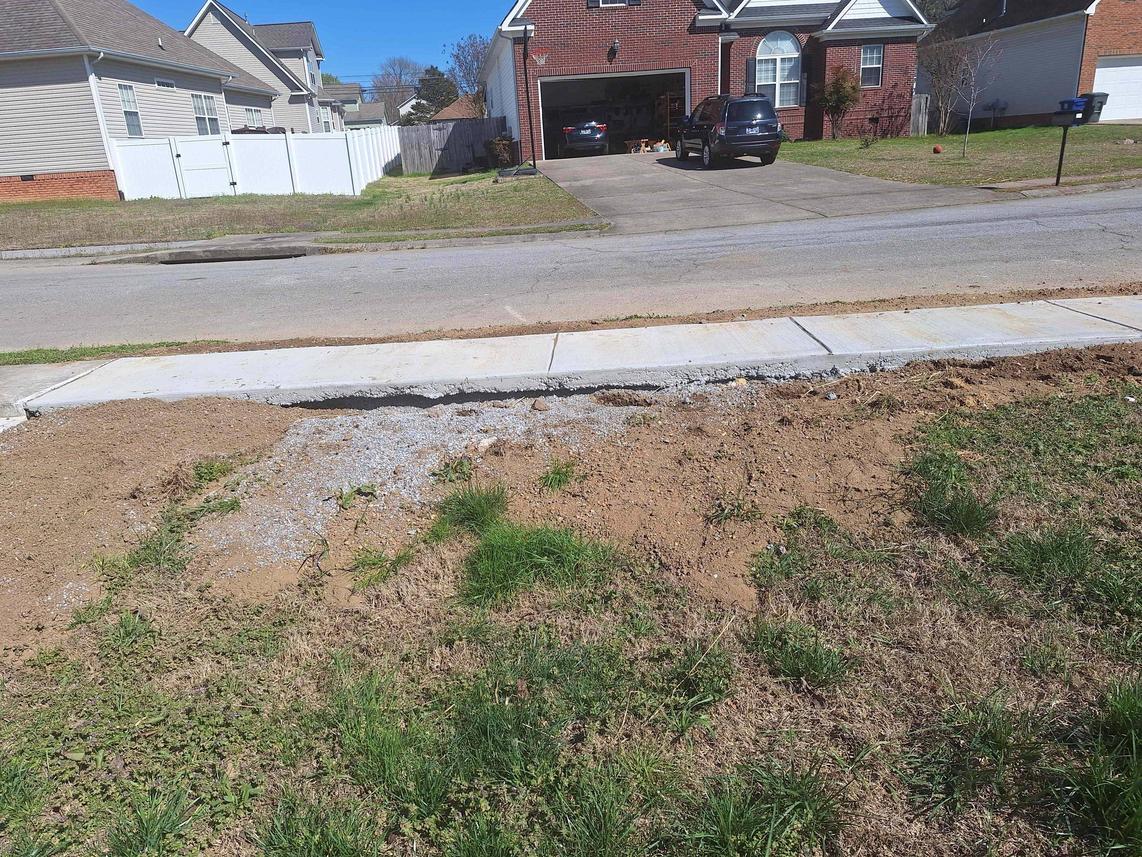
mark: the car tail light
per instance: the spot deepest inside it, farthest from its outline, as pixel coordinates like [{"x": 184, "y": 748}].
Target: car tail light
[
  {"x": 602, "y": 126},
  {"x": 720, "y": 129},
  {"x": 569, "y": 130}
]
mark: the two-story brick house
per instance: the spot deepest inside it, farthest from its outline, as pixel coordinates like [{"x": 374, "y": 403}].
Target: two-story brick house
[{"x": 640, "y": 64}]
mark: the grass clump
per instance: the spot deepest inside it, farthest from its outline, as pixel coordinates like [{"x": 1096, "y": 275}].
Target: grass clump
[
  {"x": 1066, "y": 565},
  {"x": 979, "y": 749},
  {"x": 795, "y": 653},
  {"x": 732, "y": 508},
  {"x": 483, "y": 837},
  {"x": 373, "y": 567},
  {"x": 1098, "y": 793},
  {"x": 596, "y": 816},
  {"x": 946, "y": 499},
  {"x": 454, "y": 470},
  {"x": 558, "y": 476},
  {"x": 777, "y": 563},
  {"x": 698, "y": 678},
  {"x": 153, "y": 826},
  {"x": 347, "y": 496},
  {"x": 300, "y": 828},
  {"x": 210, "y": 470},
  {"x": 20, "y": 790},
  {"x": 763, "y": 811},
  {"x": 474, "y": 508},
  {"x": 132, "y": 632},
  {"x": 512, "y": 558},
  {"x": 90, "y": 613}
]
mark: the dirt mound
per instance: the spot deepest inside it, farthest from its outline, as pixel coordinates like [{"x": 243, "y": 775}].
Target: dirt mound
[{"x": 86, "y": 482}]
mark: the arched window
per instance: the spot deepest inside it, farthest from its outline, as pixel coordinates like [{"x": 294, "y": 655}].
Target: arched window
[{"x": 779, "y": 69}]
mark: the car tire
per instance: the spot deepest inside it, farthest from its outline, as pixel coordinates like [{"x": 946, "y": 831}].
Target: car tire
[
  {"x": 708, "y": 159},
  {"x": 680, "y": 152}
]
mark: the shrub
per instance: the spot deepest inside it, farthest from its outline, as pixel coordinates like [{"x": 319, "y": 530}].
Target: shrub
[{"x": 838, "y": 96}]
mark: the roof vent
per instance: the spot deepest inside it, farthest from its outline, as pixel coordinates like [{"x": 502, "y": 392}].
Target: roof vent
[{"x": 161, "y": 48}]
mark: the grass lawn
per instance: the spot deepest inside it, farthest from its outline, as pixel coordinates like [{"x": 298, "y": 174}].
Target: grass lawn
[
  {"x": 958, "y": 675},
  {"x": 390, "y": 205},
  {"x": 993, "y": 156}
]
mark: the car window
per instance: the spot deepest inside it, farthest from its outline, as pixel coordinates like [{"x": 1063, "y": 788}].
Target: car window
[
  {"x": 750, "y": 111},
  {"x": 700, "y": 111}
]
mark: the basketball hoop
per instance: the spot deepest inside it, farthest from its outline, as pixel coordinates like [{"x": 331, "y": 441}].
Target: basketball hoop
[{"x": 540, "y": 57}]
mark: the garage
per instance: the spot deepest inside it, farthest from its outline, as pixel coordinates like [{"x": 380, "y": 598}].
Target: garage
[
  {"x": 634, "y": 106},
  {"x": 1121, "y": 79}
]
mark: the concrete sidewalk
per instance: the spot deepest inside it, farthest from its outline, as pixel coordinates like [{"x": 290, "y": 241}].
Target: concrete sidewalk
[{"x": 648, "y": 356}]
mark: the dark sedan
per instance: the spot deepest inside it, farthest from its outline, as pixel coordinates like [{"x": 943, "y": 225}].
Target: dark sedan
[{"x": 585, "y": 138}]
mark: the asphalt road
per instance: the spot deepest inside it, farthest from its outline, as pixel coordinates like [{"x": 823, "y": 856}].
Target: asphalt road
[{"x": 1059, "y": 241}]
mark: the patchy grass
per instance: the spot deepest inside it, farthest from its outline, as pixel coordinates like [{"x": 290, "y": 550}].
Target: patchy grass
[
  {"x": 372, "y": 567},
  {"x": 511, "y": 558},
  {"x": 91, "y": 352},
  {"x": 454, "y": 470},
  {"x": 389, "y": 206},
  {"x": 346, "y": 497},
  {"x": 993, "y": 156},
  {"x": 473, "y": 508},
  {"x": 735, "y": 507},
  {"x": 557, "y": 476},
  {"x": 795, "y": 653}
]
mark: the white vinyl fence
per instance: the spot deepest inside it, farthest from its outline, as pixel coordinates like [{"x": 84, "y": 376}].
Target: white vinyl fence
[{"x": 185, "y": 167}]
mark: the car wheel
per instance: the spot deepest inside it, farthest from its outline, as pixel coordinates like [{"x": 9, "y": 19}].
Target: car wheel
[
  {"x": 680, "y": 151},
  {"x": 707, "y": 156}
]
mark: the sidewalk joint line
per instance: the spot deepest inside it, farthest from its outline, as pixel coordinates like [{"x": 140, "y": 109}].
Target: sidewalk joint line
[
  {"x": 554, "y": 345},
  {"x": 1098, "y": 317},
  {"x": 805, "y": 330}
]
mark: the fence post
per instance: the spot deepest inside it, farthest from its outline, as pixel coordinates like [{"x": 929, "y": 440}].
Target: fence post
[
  {"x": 349, "y": 157},
  {"x": 226, "y": 148},
  {"x": 293, "y": 182},
  {"x": 176, "y": 159}
]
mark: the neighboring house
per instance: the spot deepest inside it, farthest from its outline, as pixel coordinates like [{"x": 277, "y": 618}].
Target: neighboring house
[
  {"x": 464, "y": 107},
  {"x": 77, "y": 74},
  {"x": 1048, "y": 50},
  {"x": 349, "y": 96},
  {"x": 286, "y": 57},
  {"x": 370, "y": 113},
  {"x": 640, "y": 66}
]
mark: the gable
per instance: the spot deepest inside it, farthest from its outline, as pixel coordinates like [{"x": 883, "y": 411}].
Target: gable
[
  {"x": 232, "y": 39},
  {"x": 870, "y": 9}
]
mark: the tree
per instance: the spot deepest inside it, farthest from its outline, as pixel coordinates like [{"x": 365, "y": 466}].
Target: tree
[
  {"x": 436, "y": 91},
  {"x": 328, "y": 79},
  {"x": 467, "y": 57},
  {"x": 937, "y": 10},
  {"x": 395, "y": 83},
  {"x": 978, "y": 71},
  {"x": 840, "y": 95}
]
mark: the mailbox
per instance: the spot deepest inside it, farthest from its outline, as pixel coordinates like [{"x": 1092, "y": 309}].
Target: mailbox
[{"x": 1092, "y": 108}]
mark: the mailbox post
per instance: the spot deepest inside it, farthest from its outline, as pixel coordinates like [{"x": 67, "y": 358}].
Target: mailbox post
[{"x": 1083, "y": 110}]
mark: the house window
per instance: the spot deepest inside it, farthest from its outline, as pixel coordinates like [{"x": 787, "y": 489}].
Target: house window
[
  {"x": 206, "y": 114},
  {"x": 326, "y": 120},
  {"x": 779, "y": 69},
  {"x": 254, "y": 118},
  {"x": 162, "y": 83},
  {"x": 130, "y": 110},
  {"x": 871, "y": 65}
]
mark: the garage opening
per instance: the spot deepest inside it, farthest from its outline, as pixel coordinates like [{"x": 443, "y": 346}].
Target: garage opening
[{"x": 634, "y": 107}]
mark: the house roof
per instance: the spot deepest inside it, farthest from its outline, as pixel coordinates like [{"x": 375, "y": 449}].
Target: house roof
[
  {"x": 984, "y": 16},
  {"x": 114, "y": 27},
  {"x": 343, "y": 91},
  {"x": 370, "y": 112},
  {"x": 817, "y": 11},
  {"x": 464, "y": 107},
  {"x": 295, "y": 35}
]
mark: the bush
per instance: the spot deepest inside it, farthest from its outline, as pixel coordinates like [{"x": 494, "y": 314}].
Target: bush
[
  {"x": 501, "y": 150},
  {"x": 838, "y": 96}
]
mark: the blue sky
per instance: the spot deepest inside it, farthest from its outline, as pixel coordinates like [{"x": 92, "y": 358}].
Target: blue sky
[{"x": 358, "y": 34}]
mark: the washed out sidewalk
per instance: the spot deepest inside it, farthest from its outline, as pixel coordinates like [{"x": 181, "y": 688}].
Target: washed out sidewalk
[{"x": 776, "y": 348}]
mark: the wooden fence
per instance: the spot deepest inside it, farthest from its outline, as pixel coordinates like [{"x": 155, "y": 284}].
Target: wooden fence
[
  {"x": 448, "y": 147},
  {"x": 920, "y": 113}
]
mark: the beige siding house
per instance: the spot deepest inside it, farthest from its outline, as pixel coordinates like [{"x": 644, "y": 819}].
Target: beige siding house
[
  {"x": 286, "y": 57},
  {"x": 77, "y": 74}
]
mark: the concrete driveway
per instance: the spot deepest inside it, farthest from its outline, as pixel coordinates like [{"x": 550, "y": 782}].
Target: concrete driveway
[{"x": 656, "y": 193}]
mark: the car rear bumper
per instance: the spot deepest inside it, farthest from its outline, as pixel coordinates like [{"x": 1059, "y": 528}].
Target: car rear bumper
[{"x": 739, "y": 149}]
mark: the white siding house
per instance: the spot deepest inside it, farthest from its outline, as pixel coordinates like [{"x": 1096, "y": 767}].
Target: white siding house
[
  {"x": 498, "y": 76},
  {"x": 51, "y": 124},
  {"x": 166, "y": 100}
]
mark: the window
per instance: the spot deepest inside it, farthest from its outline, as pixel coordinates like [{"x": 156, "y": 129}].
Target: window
[
  {"x": 326, "y": 119},
  {"x": 309, "y": 67},
  {"x": 871, "y": 65},
  {"x": 130, "y": 110},
  {"x": 206, "y": 114},
  {"x": 254, "y": 118},
  {"x": 779, "y": 69},
  {"x": 162, "y": 83}
]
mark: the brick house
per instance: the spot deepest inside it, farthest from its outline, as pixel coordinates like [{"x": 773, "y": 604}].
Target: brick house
[
  {"x": 639, "y": 65},
  {"x": 1048, "y": 50}
]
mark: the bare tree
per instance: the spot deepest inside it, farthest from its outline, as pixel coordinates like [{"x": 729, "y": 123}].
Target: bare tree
[
  {"x": 467, "y": 57},
  {"x": 397, "y": 81},
  {"x": 941, "y": 60},
  {"x": 978, "y": 71}
]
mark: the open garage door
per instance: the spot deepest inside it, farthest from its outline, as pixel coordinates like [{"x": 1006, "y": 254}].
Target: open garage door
[
  {"x": 1121, "y": 79},
  {"x": 643, "y": 105}
]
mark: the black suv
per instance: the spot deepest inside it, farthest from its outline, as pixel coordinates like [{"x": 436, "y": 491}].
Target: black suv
[{"x": 728, "y": 127}]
